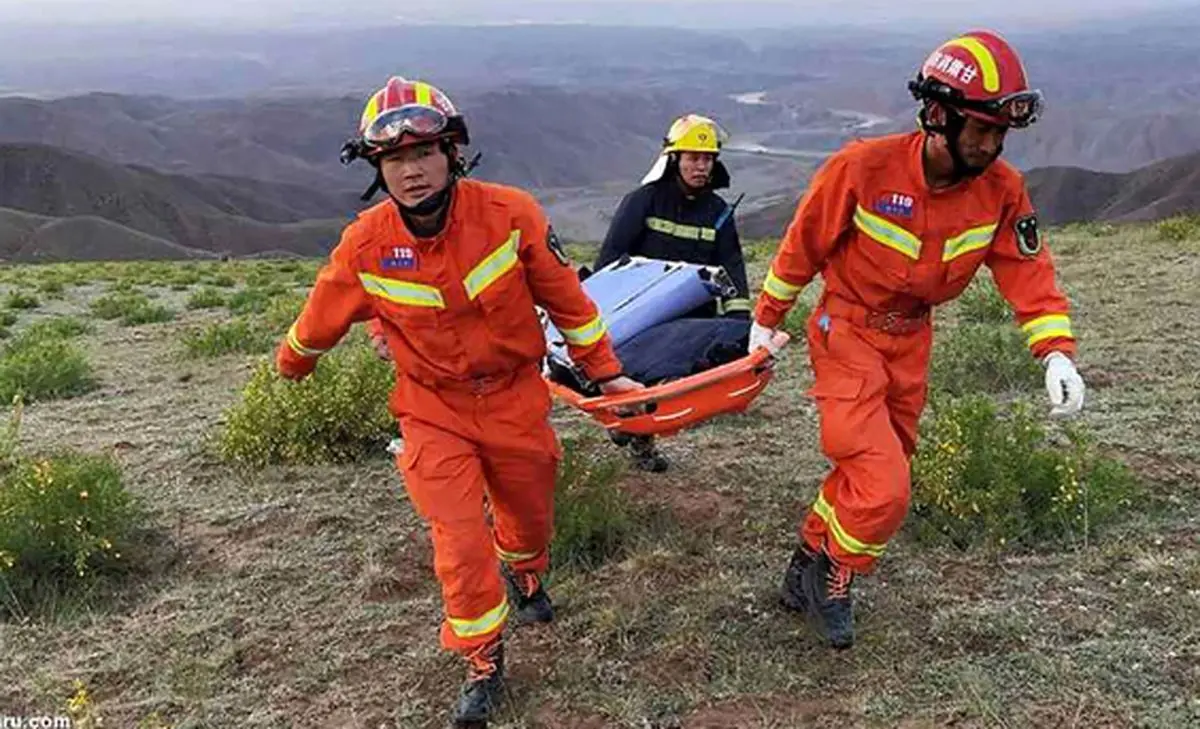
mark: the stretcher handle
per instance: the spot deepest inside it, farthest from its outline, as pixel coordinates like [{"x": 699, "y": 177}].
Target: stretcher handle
[{"x": 668, "y": 389}]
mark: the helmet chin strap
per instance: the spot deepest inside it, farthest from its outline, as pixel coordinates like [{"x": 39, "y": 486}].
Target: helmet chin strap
[
  {"x": 952, "y": 130},
  {"x": 431, "y": 205}
]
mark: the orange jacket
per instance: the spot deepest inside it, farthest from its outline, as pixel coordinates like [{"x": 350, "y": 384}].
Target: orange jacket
[
  {"x": 879, "y": 237},
  {"x": 457, "y": 308}
]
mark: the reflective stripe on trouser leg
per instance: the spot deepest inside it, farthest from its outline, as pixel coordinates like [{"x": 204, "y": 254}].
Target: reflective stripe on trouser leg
[
  {"x": 445, "y": 480},
  {"x": 521, "y": 491},
  {"x": 864, "y": 500},
  {"x": 521, "y": 475}
]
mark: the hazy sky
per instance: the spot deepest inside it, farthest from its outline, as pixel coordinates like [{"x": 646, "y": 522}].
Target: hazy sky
[{"x": 691, "y": 13}]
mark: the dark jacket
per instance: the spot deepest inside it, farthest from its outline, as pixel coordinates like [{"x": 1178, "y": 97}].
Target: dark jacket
[{"x": 658, "y": 221}]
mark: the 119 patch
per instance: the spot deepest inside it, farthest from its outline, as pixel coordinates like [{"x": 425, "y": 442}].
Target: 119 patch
[
  {"x": 1029, "y": 242},
  {"x": 398, "y": 258},
  {"x": 555, "y": 246}
]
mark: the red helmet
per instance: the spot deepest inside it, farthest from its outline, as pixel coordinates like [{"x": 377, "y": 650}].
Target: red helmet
[
  {"x": 981, "y": 75},
  {"x": 404, "y": 113}
]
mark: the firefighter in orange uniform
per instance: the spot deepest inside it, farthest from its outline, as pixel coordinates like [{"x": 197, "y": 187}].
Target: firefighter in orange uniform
[
  {"x": 895, "y": 225},
  {"x": 451, "y": 270}
]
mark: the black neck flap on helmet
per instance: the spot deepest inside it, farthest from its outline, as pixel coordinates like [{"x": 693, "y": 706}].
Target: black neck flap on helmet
[{"x": 929, "y": 91}]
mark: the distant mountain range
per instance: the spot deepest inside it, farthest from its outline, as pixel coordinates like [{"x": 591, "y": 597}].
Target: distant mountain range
[
  {"x": 225, "y": 139},
  {"x": 62, "y": 205},
  {"x": 58, "y": 204}
]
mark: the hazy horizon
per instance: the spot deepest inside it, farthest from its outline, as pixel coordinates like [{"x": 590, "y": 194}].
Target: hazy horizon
[{"x": 708, "y": 14}]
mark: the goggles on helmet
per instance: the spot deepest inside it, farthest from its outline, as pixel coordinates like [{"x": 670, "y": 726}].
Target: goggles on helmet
[
  {"x": 1016, "y": 110},
  {"x": 1019, "y": 109},
  {"x": 415, "y": 119}
]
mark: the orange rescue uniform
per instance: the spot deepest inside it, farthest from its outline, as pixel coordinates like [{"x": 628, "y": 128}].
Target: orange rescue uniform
[
  {"x": 457, "y": 311},
  {"x": 889, "y": 248}
]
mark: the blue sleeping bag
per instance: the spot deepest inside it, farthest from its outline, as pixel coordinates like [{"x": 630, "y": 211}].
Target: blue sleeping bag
[
  {"x": 682, "y": 348},
  {"x": 644, "y": 301},
  {"x": 634, "y": 294}
]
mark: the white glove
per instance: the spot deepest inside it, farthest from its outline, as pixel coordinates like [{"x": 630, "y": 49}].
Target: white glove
[
  {"x": 1064, "y": 384},
  {"x": 761, "y": 336}
]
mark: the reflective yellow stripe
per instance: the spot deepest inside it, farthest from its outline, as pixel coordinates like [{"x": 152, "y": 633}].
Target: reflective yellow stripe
[
  {"x": 736, "y": 305},
  {"x": 515, "y": 556},
  {"x": 690, "y": 232},
  {"x": 985, "y": 59},
  {"x": 822, "y": 509},
  {"x": 887, "y": 233},
  {"x": 779, "y": 288},
  {"x": 1048, "y": 327},
  {"x": 492, "y": 620},
  {"x": 424, "y": 98},
  {"x": 372, "y": 110},
  {"x": 971, "y": 240},
  {"x": 498, "y": 263},
  {"x": 294, "y": 342},
  {"x": 589, "y": 333},
  {"x": 402, "y": 292}
]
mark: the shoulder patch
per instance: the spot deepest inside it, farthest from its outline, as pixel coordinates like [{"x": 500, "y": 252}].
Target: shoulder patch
[
  {"x": 555, "y": 246},
  {"x": 1029, "y": 240}
]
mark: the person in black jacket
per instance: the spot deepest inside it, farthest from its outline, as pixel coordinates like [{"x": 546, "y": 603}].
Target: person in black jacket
[{"x": 676, "y": 216}]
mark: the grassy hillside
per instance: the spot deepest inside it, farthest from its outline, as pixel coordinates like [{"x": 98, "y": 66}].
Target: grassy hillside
[{"x": 305, "y": 596}]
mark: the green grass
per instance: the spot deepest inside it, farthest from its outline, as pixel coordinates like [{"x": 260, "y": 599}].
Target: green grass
[
  {"x": 65, "y": 518},
  {"x": 132, "y": 307},
  {"x": 21, "y": 300},
  {"x": 304, "y": 594},
  {"x": 239, "y": 336},
  {"x": 43, "y": 364},
  {"x": 999, "y": 477},
  {"x": 594, "y": 519},
  {"x": 207, "y": 298},
  {"x": 336, "y": 415}
]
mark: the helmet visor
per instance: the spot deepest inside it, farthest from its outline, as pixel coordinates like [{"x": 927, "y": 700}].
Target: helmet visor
[{"x": 415, "y": 119}]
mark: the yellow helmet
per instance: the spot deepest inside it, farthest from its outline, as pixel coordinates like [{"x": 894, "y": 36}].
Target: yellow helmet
[
  {"x": 694, "y": 133},
  {"x": 691, "y": 133}
]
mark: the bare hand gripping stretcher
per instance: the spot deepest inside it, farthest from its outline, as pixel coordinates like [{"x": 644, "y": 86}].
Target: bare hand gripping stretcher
[{"x": 645, "y": 303}]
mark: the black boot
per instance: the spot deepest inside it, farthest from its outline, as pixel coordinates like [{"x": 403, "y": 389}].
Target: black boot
[
  {"x": 619, "y": 439},
  {"x": 791, "y": 594},
  {"x": 826, "y": 587},
  {"x": 528, "y": 597},
  {"x": 646, "y": 455},
  {"x": 481, "y": 692}
]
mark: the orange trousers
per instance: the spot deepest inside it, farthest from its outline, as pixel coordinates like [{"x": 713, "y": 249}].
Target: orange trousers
[
  {"x": 479, "y": 465},
  {"x": 870, "y": 387}
]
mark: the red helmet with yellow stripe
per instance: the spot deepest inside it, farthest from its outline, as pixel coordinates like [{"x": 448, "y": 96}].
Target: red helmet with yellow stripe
[
  {"x": 403, "y": 113},
  {"x": 979, "y": 74}
]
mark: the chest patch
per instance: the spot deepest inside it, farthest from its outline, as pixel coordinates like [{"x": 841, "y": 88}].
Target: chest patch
[
  {"x": 896, "y": 204},
  {"x": 399, "y": 258}
]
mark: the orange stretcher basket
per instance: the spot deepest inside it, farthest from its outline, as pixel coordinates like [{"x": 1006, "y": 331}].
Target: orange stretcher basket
[{"x": 673, "y": 406}]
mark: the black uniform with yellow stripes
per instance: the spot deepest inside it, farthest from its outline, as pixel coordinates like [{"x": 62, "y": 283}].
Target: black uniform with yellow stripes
[{"x": 658, "y": 220}]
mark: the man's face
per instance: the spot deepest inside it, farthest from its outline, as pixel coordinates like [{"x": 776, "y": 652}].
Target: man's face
[
  {"x": 695, "y": 168},
  {"x": 980, "y": 142},
  {"x": 414, "y": 173}
]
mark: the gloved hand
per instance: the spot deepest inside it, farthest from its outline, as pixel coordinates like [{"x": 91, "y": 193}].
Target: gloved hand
[
  {"x": 620, "y": 384},
  {"x": 1064, "y": 384},
  {"x": 761, "y": 336}
]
